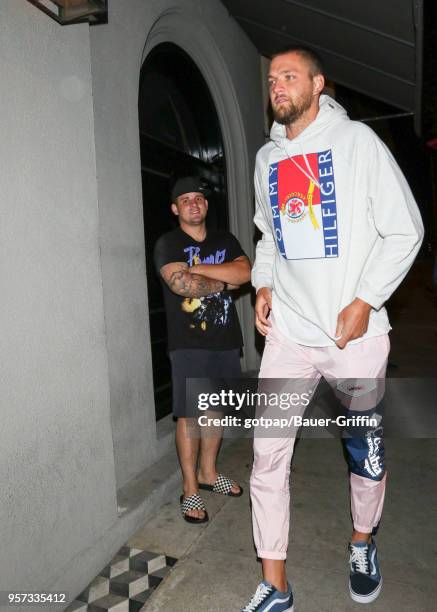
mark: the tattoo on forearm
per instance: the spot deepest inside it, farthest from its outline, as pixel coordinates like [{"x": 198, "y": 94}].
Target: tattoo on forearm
[
  {"x": 200, "y": 286},
  {"x": 193, "y": 285}
]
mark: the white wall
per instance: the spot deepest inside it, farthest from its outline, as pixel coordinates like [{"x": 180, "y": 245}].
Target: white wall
[
  {"x": 76, "y": 386},
  {"x": 56, "y": 468}
]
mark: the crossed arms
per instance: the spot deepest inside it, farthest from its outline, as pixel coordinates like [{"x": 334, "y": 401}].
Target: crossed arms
[{"x": 204, "y": 279}]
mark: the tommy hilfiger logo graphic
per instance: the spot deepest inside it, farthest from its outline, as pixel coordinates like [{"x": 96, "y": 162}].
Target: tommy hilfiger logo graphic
[
  {"x": 304, "y": 206},
  {"x": 294, "y": 207}
]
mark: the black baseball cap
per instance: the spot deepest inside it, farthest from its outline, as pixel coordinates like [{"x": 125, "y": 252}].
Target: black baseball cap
[{"x": 186, "y": 184}]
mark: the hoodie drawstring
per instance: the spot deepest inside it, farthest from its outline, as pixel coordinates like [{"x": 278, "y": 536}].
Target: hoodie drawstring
[
  {"x": 312, "y": 185},
  {"x": 310, "y": 206}
]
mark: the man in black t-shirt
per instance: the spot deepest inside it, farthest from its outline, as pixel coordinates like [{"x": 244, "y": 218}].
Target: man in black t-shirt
[{"x": 199, "y": 269}]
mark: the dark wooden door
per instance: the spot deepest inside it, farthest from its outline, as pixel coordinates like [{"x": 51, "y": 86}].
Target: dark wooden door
[{"x": 179, "y": 135}]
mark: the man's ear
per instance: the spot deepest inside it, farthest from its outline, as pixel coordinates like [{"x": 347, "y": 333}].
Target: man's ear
[
  {"x": 174, "y": 209},
  {"x": 206, "y": 204},
  {"x": 318, "y": 84}
]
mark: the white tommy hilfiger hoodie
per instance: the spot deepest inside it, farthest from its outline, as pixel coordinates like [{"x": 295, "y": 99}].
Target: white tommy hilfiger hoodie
[{"x": 338, "y": 220}]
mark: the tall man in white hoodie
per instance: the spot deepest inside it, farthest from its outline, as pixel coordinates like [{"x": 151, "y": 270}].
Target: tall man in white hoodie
[{"x": 340, "y": 229}]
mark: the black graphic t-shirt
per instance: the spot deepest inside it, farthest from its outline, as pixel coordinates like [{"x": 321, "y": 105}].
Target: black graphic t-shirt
[{"x": 209, "y": 322}]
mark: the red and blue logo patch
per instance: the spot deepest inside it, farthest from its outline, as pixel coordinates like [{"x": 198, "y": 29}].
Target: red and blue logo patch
[{"x": 304, "y": 210}]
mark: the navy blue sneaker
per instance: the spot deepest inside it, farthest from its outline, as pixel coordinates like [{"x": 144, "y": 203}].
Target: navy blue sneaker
[
  {"x": 268, "y": 598},
  {"x": 365, "y": 580}
]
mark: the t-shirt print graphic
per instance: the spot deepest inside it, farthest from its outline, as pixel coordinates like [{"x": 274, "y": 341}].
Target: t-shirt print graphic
[
  {"x": 212, "y": 309},
  {"x": 304, "y": 210}
]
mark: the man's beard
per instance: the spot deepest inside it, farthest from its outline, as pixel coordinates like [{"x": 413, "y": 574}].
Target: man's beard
[{"x": 292, "y": 112}]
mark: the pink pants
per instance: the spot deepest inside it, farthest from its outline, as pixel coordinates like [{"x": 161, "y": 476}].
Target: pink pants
[{"x": 269, "y": 483}]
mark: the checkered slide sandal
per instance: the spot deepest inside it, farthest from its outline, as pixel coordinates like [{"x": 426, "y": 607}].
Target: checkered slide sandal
[
  {"x": 223, "y": 485},
  {"x": 193, "y": 502}
]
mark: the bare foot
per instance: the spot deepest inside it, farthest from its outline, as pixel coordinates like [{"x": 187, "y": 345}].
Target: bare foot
[
  {"x": 198, "y": 514},
  {"x": 210, "y": 479}
]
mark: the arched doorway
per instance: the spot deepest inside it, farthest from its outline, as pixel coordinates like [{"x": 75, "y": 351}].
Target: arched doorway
[{"x": 179, "y": 134}]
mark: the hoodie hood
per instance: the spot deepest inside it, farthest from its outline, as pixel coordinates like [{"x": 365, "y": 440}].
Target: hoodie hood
[{"x": 330, "y": 113}]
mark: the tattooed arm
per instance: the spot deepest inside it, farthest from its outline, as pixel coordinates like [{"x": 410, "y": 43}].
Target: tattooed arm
[
  {"x": 235, "y": 273},
  {"x": 182, "y": 281}
]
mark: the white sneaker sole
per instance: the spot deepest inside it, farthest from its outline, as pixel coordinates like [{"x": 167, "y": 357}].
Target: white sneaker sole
[{"x": 365, "y": 599}]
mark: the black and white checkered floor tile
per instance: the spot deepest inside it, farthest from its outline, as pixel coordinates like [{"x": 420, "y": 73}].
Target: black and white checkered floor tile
[{"x": 125, "y": 584}]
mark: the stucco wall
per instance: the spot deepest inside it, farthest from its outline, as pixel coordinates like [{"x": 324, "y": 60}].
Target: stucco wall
[
  {"x": 56, "y": 467},
  {"x": 76, "y": 385},
  {"x": 230, "y": 65}
]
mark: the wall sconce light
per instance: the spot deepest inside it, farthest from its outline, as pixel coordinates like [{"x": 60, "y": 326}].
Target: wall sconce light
[{"x": 68, "y": 12}]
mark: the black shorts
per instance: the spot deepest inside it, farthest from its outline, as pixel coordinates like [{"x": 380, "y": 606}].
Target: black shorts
[{"x": 200, "y": 363}]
